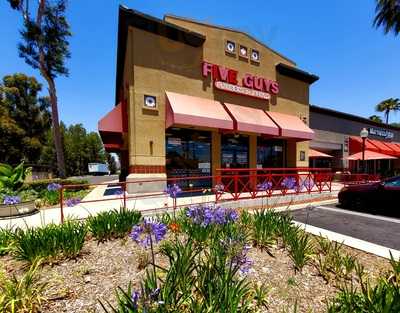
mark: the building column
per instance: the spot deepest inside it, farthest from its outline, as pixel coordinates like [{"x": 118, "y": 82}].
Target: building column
[{"x": 215, "y": 154}]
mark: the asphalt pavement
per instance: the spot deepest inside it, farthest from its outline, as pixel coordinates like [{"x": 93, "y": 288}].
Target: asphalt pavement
[{"x": 376, "y": 229}]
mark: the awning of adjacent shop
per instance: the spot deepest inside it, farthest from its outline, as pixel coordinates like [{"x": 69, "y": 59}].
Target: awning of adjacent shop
[
  {"x": 381, "y": 146},
  {"x": 318, "y": 154},
  {"x": 370, "y": 155},
  {"x": 252, "y": 120},
  {"x": 111, "y": 129},
  {"x": 291, "y": 126},
  {"x": 195, "y": 111},
  {"x": 389, "y": 148}
]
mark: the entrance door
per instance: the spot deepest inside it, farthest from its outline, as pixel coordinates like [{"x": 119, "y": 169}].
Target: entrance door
[{"x": 235, "y": 151}]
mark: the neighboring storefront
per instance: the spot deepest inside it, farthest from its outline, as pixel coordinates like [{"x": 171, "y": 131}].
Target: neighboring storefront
[
  {"x": 192, "y": 98},
  {"x": 338, "y": 145}
]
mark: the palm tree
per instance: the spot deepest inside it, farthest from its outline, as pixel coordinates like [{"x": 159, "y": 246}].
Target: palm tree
[
  {"x": 388, "y": 15},
  {"x": 388, "y": 105},
  {"x": 376, "y": 118}
]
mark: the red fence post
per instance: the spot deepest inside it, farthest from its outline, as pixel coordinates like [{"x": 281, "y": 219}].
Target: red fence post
[{"x": 62, "y": 204}]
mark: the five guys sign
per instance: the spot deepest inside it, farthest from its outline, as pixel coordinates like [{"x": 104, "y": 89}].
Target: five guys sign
[{"x": 227, "y": 79}]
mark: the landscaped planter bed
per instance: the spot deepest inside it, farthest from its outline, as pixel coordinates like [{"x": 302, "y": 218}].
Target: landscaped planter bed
[{"x": 77, "y": 285}]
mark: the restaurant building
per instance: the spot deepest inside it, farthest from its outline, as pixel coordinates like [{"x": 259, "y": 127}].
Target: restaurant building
[
  {"x": 193, "y": 97},
  {"x": 337, "y": 143}
]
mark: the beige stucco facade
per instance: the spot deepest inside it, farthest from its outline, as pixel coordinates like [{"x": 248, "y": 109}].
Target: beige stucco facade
[{"x": 155, "y": 64}]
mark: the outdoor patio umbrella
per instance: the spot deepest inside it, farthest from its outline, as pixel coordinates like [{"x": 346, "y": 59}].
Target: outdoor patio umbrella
[{"x": 318, "y": 154}]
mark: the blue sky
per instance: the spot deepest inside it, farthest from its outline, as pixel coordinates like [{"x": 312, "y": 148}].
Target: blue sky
[{"x": 358, "y": 65}]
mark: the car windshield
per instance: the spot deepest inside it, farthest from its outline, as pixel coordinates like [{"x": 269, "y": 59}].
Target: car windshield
[{"x": 394, "y": 182}]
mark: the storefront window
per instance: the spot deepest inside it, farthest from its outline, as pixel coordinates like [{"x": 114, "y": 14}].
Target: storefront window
[
  {"x": 188, "y": 155},
  {"x": 234, "y": 151},
  {"x": 270, "y": 153}
]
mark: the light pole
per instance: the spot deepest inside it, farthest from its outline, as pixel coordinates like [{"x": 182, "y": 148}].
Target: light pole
[{"x": 364, "y": 135}]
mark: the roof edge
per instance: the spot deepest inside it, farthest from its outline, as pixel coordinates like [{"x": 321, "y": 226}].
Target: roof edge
[
  {"x": 296, "y": 73},
  {"x": 352, "y": 117},
  {"x": 228, "y": 29}
]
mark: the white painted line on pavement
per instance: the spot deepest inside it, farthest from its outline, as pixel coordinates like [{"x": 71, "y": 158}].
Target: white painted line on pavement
[
  {"x": 351, "y": 241},
  {"x": 376, "y": 217}
]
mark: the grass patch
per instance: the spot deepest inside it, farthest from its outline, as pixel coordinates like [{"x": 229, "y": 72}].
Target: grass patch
[{"x": 112, "y": 224}]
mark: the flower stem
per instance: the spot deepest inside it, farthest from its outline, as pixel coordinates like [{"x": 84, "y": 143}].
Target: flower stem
[{"x": 153, "y": 259}]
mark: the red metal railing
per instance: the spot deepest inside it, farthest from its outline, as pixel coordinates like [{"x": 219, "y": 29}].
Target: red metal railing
[{"x": 227, "y": 185}]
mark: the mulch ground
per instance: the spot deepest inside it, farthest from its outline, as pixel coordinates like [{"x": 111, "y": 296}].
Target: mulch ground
[{"x": 78, "y": 285}]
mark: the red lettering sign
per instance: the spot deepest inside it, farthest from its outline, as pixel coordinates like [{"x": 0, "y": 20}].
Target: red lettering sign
[{"x": 230, "y": 76}]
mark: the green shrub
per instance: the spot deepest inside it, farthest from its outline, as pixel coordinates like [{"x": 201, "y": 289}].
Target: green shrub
[
  {"x": 6, "y": 240},
  {"x": 265, "y": 228},
  {"x": 22, "y": 294},
  {"x": 112, "y": 224},
  {"x": 12, "y": 178},
  {"x": 301, "y": 248},
  {"x": 49, "y": 242},
  {"x": 384, "y": 296},
  {"x": 40, "y": 185}
]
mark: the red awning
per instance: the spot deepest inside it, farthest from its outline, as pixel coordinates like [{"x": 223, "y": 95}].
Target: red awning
[
  {"x": 317, "y": 154},
  {"x": 381, "y": 146},
  {"x": 394, "y": 147},
  {"x": 355, "y": 145},
  {"x": 195, "y": 111},
  {"x": 111, "y": 129},
  {"x": 252, "y": 120},
  {"x": 291, "y": 126},
  {"x": 370, "y": 155}
]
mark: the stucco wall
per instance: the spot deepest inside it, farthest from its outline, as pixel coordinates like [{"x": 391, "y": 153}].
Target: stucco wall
[{"x": 155, "y": 64}]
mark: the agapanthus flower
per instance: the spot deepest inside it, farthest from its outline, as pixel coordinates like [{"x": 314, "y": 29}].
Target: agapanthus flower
[
  {"x": 242, "y": 261},
  {"x": 207, "y": 215},
  {"x": 289, "y": 182},
  {"x": 308, "y": 183},
  {"x": 264, "y": 186},
  {"x": 148, "y": 231},
  {"x": 219, "y": 188},
  {"x": 173, "y": 190},
  {"x": 72, "y": 202},
  {"x": 135, "y": 298},
  {"x": 201, "y": 215},
  {"x": 11, "y": 200},
  {"x": 53, "y": 187}
]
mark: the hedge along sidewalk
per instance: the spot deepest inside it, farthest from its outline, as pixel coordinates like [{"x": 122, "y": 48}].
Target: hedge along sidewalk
[{"x": 351, "y": 241}]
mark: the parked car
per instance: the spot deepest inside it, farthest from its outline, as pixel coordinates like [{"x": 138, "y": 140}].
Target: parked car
[
  {"x": 382, "y": 196},
  {"x": 98, "y": 169}
]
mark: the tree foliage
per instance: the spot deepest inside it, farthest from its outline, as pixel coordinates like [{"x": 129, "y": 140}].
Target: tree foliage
[
  {"x": 376, "y": 118},
  {"x": 79, "y": 147},
  {"x": 45, "y": 47},
  {"x": 24, "y": 119},
  {"x": 387, "y": 106},
  {"x": 388, "y": 15}
]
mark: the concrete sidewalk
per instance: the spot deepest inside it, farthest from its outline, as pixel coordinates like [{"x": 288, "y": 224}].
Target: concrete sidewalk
[{"x": 154, "y": 205}]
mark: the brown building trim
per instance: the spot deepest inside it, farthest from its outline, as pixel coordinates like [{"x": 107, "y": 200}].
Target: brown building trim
[
  {"x": 296, "y": 73},
  {"x": 171, "y": 16},
  {"x": 128, "y": 17},
  {"x": 147, "y": 169}
]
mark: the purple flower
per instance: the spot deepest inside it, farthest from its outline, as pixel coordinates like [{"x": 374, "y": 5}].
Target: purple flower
[
  {"x": 207, "y": 215},
  {"x": 72, "y": 202},
  {"x": 264, "y": 186},
  {"x": 53, "y": 187},
  {"x": 308, "y": 183},
  {"x": 289, "y": 182},
  {"x": 149, "y": 230},
  {"x": 242, "y": 261},
  {"x": 11, "y": 200},
  {"x": 219, "y": 188},
  {"x": 173, "y": 190},
  {"x": 237, "y": 254},
  {"x": 135, "y": 298}
]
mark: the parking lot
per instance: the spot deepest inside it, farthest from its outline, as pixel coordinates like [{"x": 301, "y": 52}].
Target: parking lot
[{"x": 376, "y": 229}]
